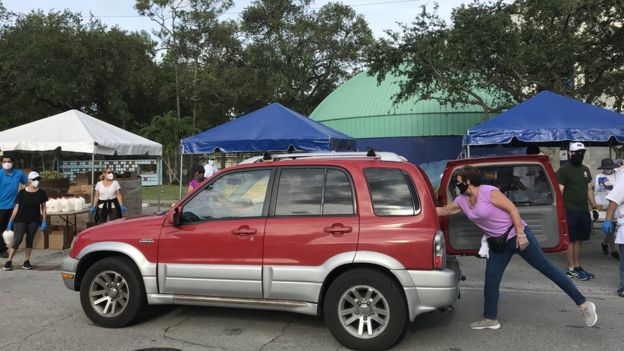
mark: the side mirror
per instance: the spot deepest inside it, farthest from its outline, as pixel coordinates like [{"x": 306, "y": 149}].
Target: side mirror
[{"x": 173, "y": 216}]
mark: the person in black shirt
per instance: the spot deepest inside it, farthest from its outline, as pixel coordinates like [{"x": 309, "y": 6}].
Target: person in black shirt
[{"x": 29, "y": 212}]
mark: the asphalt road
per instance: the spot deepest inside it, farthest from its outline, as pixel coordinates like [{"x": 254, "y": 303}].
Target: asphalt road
[{"x": 39, "y": 313}]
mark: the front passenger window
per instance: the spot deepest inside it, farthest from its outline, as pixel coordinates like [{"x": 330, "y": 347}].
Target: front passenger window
[{"x": 235, "y": 195}]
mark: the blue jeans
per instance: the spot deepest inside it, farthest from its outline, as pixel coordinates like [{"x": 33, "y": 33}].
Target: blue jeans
[
  {"x": 621, "y": 288},
  {"x": 534, "y": 256}
]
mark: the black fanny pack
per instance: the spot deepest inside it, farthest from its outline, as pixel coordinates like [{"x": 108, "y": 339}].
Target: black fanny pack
[{"x": 498, "y": 244}]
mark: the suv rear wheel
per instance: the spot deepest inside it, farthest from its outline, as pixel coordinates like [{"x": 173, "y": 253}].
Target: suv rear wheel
[
  {"x": 112, "y": 293},
  {"x": 365, "y": 310}
]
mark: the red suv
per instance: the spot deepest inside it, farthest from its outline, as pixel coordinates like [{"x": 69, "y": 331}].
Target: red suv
[{"x": 352, "y": 237}]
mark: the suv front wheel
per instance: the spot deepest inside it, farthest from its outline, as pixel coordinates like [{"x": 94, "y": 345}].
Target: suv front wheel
[
  {"x": 112, "y": 293},
  {"x": 365, "y": 310}
]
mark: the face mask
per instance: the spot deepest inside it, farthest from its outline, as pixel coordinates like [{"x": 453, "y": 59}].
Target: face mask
[
  {"x": 462, "y": 188},
  {"x": 577, "y": 158},
  {"x": 109, "y": 176},
  {"x": 35, "y": 183},
  {"x": 7, "y": 165}
]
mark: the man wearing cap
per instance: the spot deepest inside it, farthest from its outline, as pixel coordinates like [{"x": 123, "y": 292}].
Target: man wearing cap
[
  {"x": 605, "y": 180},
  {"x": 210, "y": 169},
  {"x": 10, "y": 180},
  {"x": 575, "y": 183}
]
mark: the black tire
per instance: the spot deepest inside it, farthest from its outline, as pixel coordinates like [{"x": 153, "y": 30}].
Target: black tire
[
  {"x": 133, "y": 292},
  {"x": 394, "y": 301}
]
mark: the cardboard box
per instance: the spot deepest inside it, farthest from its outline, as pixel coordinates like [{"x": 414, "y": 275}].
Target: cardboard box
[
  {"x": 56, "y": 240},
  {"x": 39, "y": 242}
]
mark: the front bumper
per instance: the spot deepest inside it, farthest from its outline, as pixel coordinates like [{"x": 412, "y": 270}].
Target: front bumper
[
  {"x": 434, "y": 289},
  {"x": 68, "y": 272}
]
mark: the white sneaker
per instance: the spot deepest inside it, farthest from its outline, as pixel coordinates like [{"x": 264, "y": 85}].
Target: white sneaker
[
  {"x": 589, "y": 312},
  {"x": 485, "y": 324}
]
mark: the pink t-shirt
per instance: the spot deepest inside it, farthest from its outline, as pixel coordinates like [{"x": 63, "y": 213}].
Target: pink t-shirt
[{"x": 492, "y": 220}]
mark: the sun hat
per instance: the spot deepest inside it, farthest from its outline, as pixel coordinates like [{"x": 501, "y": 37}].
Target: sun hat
[
  {"x": 576, "y": 146},
  {"x": 607, "y": 163}
]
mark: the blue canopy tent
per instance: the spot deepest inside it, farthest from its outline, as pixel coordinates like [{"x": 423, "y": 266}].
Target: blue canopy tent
[
  {"x": 549, "y": 118},
  {"x": 271, "y": 128}
]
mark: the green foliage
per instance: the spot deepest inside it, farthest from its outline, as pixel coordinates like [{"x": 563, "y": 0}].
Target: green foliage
[
  {"x": 296, "y": 55},
  {"x": 511, "y": 51},
  {"x": 50, "y": 63},
  {"x": 51, "y": 175},
  {"x": 169, "y": 130}
]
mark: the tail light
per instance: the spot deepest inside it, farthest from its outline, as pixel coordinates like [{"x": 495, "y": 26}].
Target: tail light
[{"x": 439, "y": 251}]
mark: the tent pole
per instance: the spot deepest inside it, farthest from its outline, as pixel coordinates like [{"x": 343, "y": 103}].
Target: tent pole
[
  {"x": 159, "y": 180},
  {"x": 180, "y": 180},
  {"x": 92, "y": 178},
  {"x": 467, "y": 151}
]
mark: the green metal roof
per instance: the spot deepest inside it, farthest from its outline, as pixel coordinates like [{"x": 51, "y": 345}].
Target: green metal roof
[{"x": 362, "y": 109}]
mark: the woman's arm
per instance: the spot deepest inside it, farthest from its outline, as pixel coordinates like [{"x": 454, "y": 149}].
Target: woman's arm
[
  {"x": 96, "y": 196},
  {"x": 14, "y": 213},
  {"x": 448, "y": 210},
  {"x": 501, "y": 201},
  {"x": 119, "y": 199}
]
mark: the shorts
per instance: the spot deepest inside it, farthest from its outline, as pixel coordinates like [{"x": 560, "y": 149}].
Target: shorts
[
  {"x": 579, "y": 225},
  {"x": 30, "y": 229}
]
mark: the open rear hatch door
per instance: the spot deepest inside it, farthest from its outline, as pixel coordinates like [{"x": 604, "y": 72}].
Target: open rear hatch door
[{"x": 528, "y": 181}]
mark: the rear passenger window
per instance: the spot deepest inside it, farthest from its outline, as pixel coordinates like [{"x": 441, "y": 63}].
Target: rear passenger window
[
  {"x": 390, "y": 191},
  {"x": 300, "y": 192},
  {"x": 314, "y": 192}
]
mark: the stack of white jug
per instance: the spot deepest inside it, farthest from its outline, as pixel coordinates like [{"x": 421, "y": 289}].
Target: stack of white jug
[{"x": 65, "y": 204}]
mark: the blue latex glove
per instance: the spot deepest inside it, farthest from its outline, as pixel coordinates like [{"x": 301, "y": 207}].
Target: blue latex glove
[
  {"x": 10, "y": 225},
  {"x": 44, "y": 225},
  {"x": 123, "y": 208},
  {"x": 92, "y": 210},
  {"x": 607, "y": 227}
]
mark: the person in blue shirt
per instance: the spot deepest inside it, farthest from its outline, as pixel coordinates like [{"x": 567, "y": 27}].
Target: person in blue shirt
[{"x": 10, "y": 180}]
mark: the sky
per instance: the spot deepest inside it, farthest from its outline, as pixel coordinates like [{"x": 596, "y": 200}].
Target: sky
[{"x": 380, "y": 14}]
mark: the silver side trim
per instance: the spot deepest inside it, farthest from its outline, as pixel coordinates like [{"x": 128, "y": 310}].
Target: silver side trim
[
  {"x": 147, "y": 268},
  {"x": 378, "y": 259},
  {"x": 263, "y": 304},
  {"x": 300, "y": 282},
  {"x": 211, "y": 280},
  {"x": 151, "y": 287}
]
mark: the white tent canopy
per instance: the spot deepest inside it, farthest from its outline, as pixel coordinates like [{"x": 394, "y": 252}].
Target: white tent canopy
[{"x": 75, "y": 131}]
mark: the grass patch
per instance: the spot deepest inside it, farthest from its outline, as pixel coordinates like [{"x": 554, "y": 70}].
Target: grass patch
[{"x": 167, "y": 192}]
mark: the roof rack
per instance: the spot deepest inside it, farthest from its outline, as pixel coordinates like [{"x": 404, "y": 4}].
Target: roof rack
[{"x": 383, "y": 156}]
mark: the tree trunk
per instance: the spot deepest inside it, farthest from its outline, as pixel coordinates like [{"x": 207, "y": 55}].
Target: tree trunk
[{"x": 177, "y": 87}]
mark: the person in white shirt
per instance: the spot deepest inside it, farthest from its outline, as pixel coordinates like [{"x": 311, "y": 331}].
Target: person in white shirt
[
  {"x": 602, "y": 186},
  {"x": 210, "y": 169},
  {"x": 615, "y": 212},
  {"x": 108, "y": 204}
]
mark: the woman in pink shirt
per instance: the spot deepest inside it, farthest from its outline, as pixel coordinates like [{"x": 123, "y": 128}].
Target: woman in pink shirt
[
  {"x": 198, "y": 177},
  {"x": 507, "y": 234}
]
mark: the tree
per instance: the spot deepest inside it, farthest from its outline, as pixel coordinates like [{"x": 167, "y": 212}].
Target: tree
[
  {"x": 53, "y": 62},
  {"x": 206, "y": 44},
  {"x": 298, "y": 56},
  {"x": 508, "y": 51},
  {"x": 169, "y": 130}
]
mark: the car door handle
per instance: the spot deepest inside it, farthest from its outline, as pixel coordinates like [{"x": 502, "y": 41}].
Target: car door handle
[
  {"x": 338, "y": 229},
  {"x": 244, "y": 230}
]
